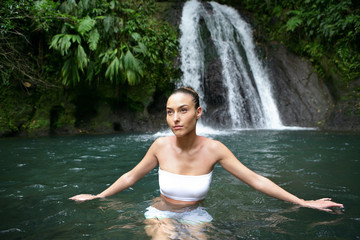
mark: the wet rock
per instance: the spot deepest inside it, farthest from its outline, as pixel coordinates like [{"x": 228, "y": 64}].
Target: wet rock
[
  {"x": 346, "y": 113},
  {"x": 302, "y": 97}
]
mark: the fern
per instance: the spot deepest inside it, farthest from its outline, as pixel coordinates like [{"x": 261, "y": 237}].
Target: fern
[
  {"x": 70, "y": 72},
  {"x": 131, "y": 77},
  {"x": 82, "y": 58},
  {"x": 133, "y": 67},
  {"x": 108, "y": 23},
  {"x": 293, "y": 23},
  {"x": 136, "y": 36},
  {"x": 113, "y": 70},
  {"x": 85, "y": 25},
  {"x": 93, "y": 40},
  {"x": 141, "y": 48},
  {"x": 129, "y": 60},
  {"x": 62, "y": 42},
  {"x": 118, "y": 40}
]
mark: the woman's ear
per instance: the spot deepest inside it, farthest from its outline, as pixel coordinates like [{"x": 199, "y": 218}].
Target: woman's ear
[{"x": 198, "y": 112}]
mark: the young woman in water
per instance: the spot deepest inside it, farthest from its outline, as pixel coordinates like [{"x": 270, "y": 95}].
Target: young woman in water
[{"x": 186, "y": 162}]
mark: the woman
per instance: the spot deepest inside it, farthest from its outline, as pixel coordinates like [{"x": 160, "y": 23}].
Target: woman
[{"x": 186, "y": 162}]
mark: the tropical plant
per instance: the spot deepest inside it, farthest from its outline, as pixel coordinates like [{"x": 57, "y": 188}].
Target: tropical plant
[
  {"x": 109, "y": 39},
  {"x": 317, "y": 29},
  {"x": 89, "y": 46}
]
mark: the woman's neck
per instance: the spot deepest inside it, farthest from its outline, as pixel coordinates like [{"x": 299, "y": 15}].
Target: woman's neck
[{"x": 187, "y": 142}]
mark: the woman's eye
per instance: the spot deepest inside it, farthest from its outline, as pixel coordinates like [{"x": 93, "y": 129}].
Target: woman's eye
[
  {"x": 184, "y": 110},
  {"x": 169, "y": 112}
]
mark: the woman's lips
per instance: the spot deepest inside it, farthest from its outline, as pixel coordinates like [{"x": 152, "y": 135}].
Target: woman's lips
[{"x": 177, "y": 127}]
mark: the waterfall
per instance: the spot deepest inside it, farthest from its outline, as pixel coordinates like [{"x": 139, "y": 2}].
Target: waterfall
[
  {"x": 249, "y": 98},
  {"x": 191, "y": 46}
]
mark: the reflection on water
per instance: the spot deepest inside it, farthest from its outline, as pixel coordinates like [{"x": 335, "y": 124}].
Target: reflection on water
[{"x": 39, "y": 174}]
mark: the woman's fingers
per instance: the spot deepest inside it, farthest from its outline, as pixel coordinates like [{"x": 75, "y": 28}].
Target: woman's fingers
[
  {"x": 82, "y": 197},
  {"x": 323, "y": 204},
  {"x": 325, "y": 199}
]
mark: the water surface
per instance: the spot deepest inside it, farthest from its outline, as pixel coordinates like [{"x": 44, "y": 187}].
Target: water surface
[{"x": 38, "y": 175}]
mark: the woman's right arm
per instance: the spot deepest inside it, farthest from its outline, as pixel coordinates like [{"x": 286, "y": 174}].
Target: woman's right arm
[
  {"x": 128, "y": 179},
  {"x": 230, "y": 163}
]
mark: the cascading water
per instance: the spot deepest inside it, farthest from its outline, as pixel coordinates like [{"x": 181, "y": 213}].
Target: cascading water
[
  {"x": 192, "y": 54},
  {"x": 249, "y": 99}
]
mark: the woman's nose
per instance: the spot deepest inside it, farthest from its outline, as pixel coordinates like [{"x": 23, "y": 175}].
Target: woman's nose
[{"x": 176, "y": 117}]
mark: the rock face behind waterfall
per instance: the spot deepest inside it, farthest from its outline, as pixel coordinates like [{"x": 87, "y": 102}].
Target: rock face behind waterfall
[
  {"x": 214, "y": 38},
  {"x": 302, "y": 98}
]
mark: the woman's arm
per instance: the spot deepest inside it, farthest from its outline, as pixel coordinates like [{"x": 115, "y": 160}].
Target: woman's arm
[
  {"x": 128, "y": 179},
  {"x": 230, "y": 163}
]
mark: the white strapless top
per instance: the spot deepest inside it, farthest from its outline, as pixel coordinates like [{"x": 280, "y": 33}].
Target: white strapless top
[{"x": 184, "y": 187}]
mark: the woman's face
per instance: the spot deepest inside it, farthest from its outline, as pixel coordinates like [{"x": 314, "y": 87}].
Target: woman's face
[{"x": 181, "y": 114}]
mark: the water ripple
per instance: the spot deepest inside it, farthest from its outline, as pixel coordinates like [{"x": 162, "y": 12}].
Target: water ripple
[
  {"x": 76, "y": 169},
  {"x": 39, "y": 175},
  {"x": 11, "y": 230}
]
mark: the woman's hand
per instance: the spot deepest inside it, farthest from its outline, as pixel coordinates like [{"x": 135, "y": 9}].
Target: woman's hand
[
  {"x": 83, "y": 197},
  {"x": 322, "y": 204}
]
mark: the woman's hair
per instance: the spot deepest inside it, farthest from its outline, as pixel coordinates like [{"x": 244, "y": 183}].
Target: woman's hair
[{"x": 190, "y": 91}]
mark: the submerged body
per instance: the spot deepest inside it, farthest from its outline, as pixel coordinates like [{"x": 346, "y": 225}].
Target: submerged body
[{"x": 189, "y": 156}]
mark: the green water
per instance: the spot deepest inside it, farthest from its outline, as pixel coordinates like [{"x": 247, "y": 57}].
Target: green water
[{"x": 39, "y": 174}]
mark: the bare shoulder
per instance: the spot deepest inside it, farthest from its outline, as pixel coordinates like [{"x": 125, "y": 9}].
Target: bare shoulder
[
  {"x": 215, "y": 147},
  {"x": 212, "y": 144},
  {"x": 220, "y": 152},
  {"x": 158, "y": 146},
  {"x": 162, "y": 142}
]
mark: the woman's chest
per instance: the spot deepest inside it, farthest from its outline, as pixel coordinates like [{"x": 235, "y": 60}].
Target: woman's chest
[{"x": 186, "y": 163}]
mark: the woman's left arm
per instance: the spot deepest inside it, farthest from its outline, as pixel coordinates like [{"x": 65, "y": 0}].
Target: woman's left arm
[{"x": 230, "y": 163}]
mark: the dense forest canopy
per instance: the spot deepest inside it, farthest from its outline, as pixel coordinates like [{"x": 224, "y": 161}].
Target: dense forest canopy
[
  {"x": 120, "y": 40},
  {"x": 59, "y": 59},
  {"x": 67, "y": 50},
  {"x": 318, "y": 29},
  {"x": 327, "y": 32}
]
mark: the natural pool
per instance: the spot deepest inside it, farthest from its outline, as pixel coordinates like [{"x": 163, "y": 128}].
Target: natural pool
[{"x": 39, "y": 174}]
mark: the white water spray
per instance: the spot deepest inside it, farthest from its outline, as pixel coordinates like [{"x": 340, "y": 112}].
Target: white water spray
[
  {"x": 191, "y": 47},
  {"x": 250, "y": 100}
]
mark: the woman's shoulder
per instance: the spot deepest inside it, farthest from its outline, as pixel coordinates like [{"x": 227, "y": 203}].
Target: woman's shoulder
[
  {"x": 211, "y": 143},
  {"x": 160, "y": 144},
  {"x": 161, "y": 141},
  {"x": 214, "y": 148}
]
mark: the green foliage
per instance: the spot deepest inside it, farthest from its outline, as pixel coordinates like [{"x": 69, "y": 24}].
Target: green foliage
[
  {"x": 14, "y": 24},
  {"x": 13, "y": 14},
  {"x": 44, "y": 14},
  {"x": 97, "y": 40},
  {"x": 13, "y": 116},
  {"x": 294, "y": 21},
  {"x": 63, "y": 42},
  {"x": 111, "y": 40},
  {"x": 315, "y": 28},
  {"x": 62, "y": 46}
]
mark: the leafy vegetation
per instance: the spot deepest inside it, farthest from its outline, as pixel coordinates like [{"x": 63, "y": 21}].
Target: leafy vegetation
[
  {"x": 65, "y": 47},
  {"x": 72, "y": 55},
  {"x": 325, "y": 31},
  {"x": 317, "y": 29},
  {"x": 115, "y": 41}
]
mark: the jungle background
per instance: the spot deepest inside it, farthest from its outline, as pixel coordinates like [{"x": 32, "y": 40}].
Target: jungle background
[{"x": 101, "y": 66}]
